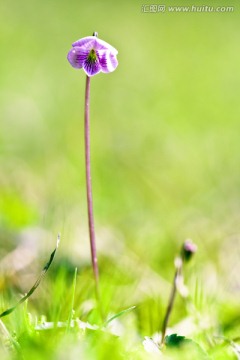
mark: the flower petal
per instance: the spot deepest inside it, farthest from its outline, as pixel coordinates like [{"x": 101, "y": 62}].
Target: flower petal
[
  {"x": 77, "y": 56},
  {"x": 86, "y": 42},
  {"x": 92, "y": 42},
  {"x": 101, "y": 45},
  {"x": 91, "y": 68},
  {"x": 108, "y": 61}
]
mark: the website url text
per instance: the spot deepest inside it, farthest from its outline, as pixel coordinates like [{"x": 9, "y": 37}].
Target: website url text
[{"x": 157, "y": 8}]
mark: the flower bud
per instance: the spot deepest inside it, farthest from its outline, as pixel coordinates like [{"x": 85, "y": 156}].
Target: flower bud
[{"x": 188, "y": 249}]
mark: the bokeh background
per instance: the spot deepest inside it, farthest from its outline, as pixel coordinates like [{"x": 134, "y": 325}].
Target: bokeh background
[{"x": 165, "y": 148}]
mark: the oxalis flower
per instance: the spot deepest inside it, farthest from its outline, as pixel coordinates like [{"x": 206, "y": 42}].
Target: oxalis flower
[{"x": 93, "y": 55}]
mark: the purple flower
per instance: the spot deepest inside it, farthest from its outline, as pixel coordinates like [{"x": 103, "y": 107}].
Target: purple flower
[{"x": 93, "y": 55}]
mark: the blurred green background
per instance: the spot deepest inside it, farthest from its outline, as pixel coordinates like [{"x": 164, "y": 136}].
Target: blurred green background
[{"x": 164, "y": 130}]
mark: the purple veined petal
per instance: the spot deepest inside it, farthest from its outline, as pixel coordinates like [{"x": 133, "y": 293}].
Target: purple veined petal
[
  {"x": 92, "y": 42},
  {"x": 103, "y": 45},
  {"x": 77, "y": 56},
  {"x": 86, "y": 42},
  {"x": 91, "y": 68},
  {"x": 108, "y": 61}
]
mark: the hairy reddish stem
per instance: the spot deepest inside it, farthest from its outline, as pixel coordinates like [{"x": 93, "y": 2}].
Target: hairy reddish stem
[{"x": 89, "y": 190}]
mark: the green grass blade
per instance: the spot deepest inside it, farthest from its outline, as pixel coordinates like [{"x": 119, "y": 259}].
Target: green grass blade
[
  {"x": 119, "y": 314},
  {"x": 73, "y": 297},
  {"x": 36, "y": 284}
]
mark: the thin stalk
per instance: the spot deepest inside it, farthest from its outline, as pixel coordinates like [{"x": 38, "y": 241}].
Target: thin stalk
[
  {"x": 171, "y": 299},
  {"x": 89, "y": 190},
  {"x": 187, "y": 251}
]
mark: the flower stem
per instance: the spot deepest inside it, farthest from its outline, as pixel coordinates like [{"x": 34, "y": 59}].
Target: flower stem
[
  {"x": 186, "y": 253},
  {"x": 172, "y": 297},
  {"x": 89, "y": 190}
]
